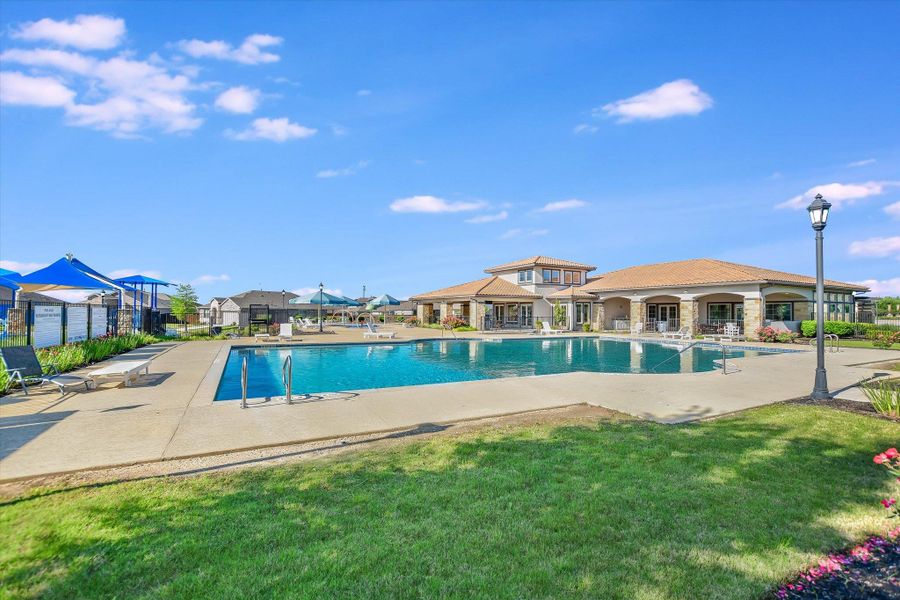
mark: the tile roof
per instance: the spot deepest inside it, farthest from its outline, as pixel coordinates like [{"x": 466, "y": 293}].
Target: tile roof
[
  {"x": 571, "y": 293},
  {"x": 540, "y": 261},
  {"x": 699, "y": 271},
  {"x": 489, "y": 286},
  {"x": 273, "y": 298}
]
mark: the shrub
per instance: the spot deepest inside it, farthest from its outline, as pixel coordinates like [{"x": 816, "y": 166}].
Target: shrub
[
  {"x": 883, "y": 339},
  {"x": 838, "y": 328},
  {"x": 884, "y": 396},
  {"x": 770, "y": 334},
  {"x": 786, "y": 337},
  {"x": 453, "y": 322},
  {"x": 586, "y": 327},
  {"x": 413, "y": 321}
]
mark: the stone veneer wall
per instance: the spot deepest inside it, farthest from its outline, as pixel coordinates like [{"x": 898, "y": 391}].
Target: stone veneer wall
[
  {"x": 752, "y": 317},
  {"x": 638, "y": 312},
  {"x": 689, "y": 314},
  {"x": 598, "y": 316}
]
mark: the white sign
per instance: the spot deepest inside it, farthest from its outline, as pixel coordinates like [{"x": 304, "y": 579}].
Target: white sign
[
  {"x": 76, "y": 323},
  {"x": 98, "y": 321},
  {"x": 47, "y": 330}
]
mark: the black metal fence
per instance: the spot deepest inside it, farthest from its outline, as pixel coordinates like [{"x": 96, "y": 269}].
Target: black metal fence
[{"x": 43, "y": 324}]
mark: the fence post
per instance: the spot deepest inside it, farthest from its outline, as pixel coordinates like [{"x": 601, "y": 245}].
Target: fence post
[
  {"x": 64, "y": 324},
  {"x": 28, "y": 323}
]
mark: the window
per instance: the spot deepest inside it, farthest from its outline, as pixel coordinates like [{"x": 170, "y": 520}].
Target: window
[
  {"x": 718, "y": 312},
  {"x": 567, "y": 277},
  {"x": 576, "y": 277},
  {"x": 582, "y": 312},
  {"x": 526, "y": 276},
  {"x": 551, "y": 276},
  {"x": 779, "y": 311}
]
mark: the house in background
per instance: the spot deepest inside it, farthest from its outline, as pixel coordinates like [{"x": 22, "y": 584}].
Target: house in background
[
  {"x": 235, "y": 310},
  {"x": 703, "y": 294}
]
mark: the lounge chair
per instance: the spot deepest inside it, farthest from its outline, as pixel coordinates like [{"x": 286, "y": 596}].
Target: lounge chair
[
  {"x": 286, "y": 331},
  {"x": 732, "y": 333},
  {"x": 682, "y": 334},
  {"x": 23, "y": 366},
  {"x": 307, "y": 324},
  {"x": 547, "y": 329},
  {"x": 637, "y": 328},
  {"x": 371, "y": 333}
]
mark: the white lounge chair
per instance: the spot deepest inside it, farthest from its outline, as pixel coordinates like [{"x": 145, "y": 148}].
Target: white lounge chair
[
  {"x": 307, "y": 324},
  {"x": 637, "y": 328},
  {"x": 732, "y": 333},
  {"x": 547, "y": 329},
  {"x": 371, "y": 333},
  {"x": 286, "y": 331},
  {"x": 682, "y": 334}
]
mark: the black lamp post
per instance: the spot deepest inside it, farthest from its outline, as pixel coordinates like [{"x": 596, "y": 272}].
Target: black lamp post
[
  {"x": 818, "y": 215},
  {"x": 321, "y": 298}
]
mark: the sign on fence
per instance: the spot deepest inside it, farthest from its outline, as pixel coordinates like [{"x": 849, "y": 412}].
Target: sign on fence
[
  {"x": 47, "y": 326},
  {"x": 98, "y": 321},
  {"x": 76, "y": 323}
]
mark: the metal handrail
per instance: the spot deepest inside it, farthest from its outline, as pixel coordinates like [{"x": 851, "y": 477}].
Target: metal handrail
[
  {"x": 287, "y": 372},
  {"x": 244, "y": 383},
  {"x": 667, "y": 359},
  {"x": 832, "y": 342}
]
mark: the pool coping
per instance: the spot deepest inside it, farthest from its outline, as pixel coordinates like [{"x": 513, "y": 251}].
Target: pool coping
[{"x": 209, "y": 386}]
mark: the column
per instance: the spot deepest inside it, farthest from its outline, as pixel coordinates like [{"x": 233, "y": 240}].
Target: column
[
  {"x": 598, "y": 316},
  {"x": 638, "y": 312},
  {"x": 689, "y": 314},
  {"x": 476, "y": 314},
  {"x": 753, "y": 316}
]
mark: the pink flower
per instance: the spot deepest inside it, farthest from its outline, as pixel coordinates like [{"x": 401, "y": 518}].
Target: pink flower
[
  {"x": 880, "y": 458},
  {"x": 891, "y": 453},
  {"x": 888, "y": 502}
]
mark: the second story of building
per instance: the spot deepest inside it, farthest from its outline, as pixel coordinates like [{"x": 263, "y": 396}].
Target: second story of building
[{"x": 543, "y": 275}]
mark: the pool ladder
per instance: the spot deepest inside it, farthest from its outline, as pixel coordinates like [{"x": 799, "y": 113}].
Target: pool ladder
[
  {"x": 688, "y": 347},
  {"x": 287, "y": 372},
  {"x": 832, "y": 342}
]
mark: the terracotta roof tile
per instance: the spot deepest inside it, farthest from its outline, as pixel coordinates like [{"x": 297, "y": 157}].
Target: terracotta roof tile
[
  {"x": 540, "y": 261},
  {"x": 573, "y": 292},
  {"x": 699, "y": 271},
  {"x": 489, "y": 286}
]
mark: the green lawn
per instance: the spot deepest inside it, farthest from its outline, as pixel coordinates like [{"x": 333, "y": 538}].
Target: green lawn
[
  {"x": 627, "y": 509},
  {"x": 864, "y": 344}
]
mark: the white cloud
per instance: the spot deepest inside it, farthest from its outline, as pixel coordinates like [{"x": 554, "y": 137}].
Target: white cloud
[
  {"x": 861, "y": 163},
  {"x": 563, "y": 205},
  {"x": 239, "y": 100},
  {"x": 135, "y": 94},
  {"x": 339, "y": 130},
  {"x": 679, "y": 97},
  {"x": 21, "y": 267},
  {"x": 432, "y": 204},
  {"x": 276, "y": 130},
  {"x": 893, "y": 210},
  {"x": 18, "y": 88},
  {"x": 500, "y": 216},
  {"x": 249, "y": 52},
  {"x": 838, "y": 193},
  {"x": 518, "y": 233},
  {"x": 364, "y": 92},
  {"x": 71, "y": 296},
  {"x": 345, "y": 172},
  {"x": 208, "y": 279},
  {"x": 877, "y": 247},
  {"x": 87, "y": 32},
  {"x": 584, "y": 128},
  {"x": 119, "y": 273},
  {"x": 309, "y": 290},
  {"x": 882, "y": 287}
]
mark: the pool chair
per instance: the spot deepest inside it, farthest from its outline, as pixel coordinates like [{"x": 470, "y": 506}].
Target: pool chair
[
  {"x": 286, "y": 332},
  {"x": 682, "y": 334},
  {"x": 23, "y": 366},
  {"x": 371, "y": 333},
  {"x": 547, "y": 329},
  {"x": 307, "y": 324},
  {"x": 732, "y": 333},
  {"x": 637, "y": 328}
]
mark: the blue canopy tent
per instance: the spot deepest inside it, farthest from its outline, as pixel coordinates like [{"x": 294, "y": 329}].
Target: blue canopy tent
[
  {"x": 139, "y": 281},
  {"x": 9, "y": 279}
]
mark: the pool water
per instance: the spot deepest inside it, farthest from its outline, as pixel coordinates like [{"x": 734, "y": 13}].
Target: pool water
[{"x": 345, "y": 367}]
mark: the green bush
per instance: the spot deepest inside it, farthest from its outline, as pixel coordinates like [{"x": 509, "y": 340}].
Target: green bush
[
  {"x": 71, "y": 356},
  {"x": 586, "y": 327},
  {"x": 884, "y": 396},
  {"x": 838, "y": 328}
]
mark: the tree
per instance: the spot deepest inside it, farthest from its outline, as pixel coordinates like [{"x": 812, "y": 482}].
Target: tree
[
  {"x": 887, "y": 306},
  {"x": 184, "y": 301}
]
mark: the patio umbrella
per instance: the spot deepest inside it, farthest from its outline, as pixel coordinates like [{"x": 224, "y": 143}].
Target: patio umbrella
[
  {"x": 381, "y": 301},
  {"x": 323, "y": 298}
]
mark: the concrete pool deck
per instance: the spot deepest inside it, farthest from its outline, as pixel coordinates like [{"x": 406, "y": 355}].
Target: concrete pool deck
[{"x": 170, "y": 413}]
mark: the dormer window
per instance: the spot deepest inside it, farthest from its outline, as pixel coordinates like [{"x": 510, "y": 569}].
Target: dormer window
[
  {"x": 526, "y": 276},
  {"x": 551, "y": 275},
  {"x": 572, "y": 277}
]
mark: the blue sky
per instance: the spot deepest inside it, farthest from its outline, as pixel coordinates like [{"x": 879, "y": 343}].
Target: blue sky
[{"x": 408, "y": 146}]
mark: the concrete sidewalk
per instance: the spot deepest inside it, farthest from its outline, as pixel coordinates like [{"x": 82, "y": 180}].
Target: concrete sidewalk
[{"x": 171, "y": 414}]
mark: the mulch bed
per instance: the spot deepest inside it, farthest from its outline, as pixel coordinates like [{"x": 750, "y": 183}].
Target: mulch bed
[
  {"x": 860, "y": 408},
  {"x": 869, "y": 571}
]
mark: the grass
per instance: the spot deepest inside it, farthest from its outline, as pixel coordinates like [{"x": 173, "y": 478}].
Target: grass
[
  {"x": 864, "y": 344},
  {"x": 613, "y": 509}
]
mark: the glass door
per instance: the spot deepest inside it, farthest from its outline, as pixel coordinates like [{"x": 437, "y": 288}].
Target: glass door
[{"x": 525, "y": 315}]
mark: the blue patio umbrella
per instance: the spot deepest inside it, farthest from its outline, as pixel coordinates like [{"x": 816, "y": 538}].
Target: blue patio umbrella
[
  {"x": 351, "y": 301},
  {"x": 383, "y": 300},
  {"x": 323, "y": 298}
]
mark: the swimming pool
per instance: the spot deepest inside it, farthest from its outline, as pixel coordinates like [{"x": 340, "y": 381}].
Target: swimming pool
[{"x": 344, "y": 367}]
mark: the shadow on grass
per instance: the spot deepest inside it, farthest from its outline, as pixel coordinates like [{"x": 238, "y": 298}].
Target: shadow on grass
[{"x": 720, "y": 509}]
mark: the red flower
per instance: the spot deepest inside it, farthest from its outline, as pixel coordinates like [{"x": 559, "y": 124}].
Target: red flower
[
  {"x": 888, "y": 502},
  {"x": 891, "y": 453},
  {"x": 880, "y": 458}
]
